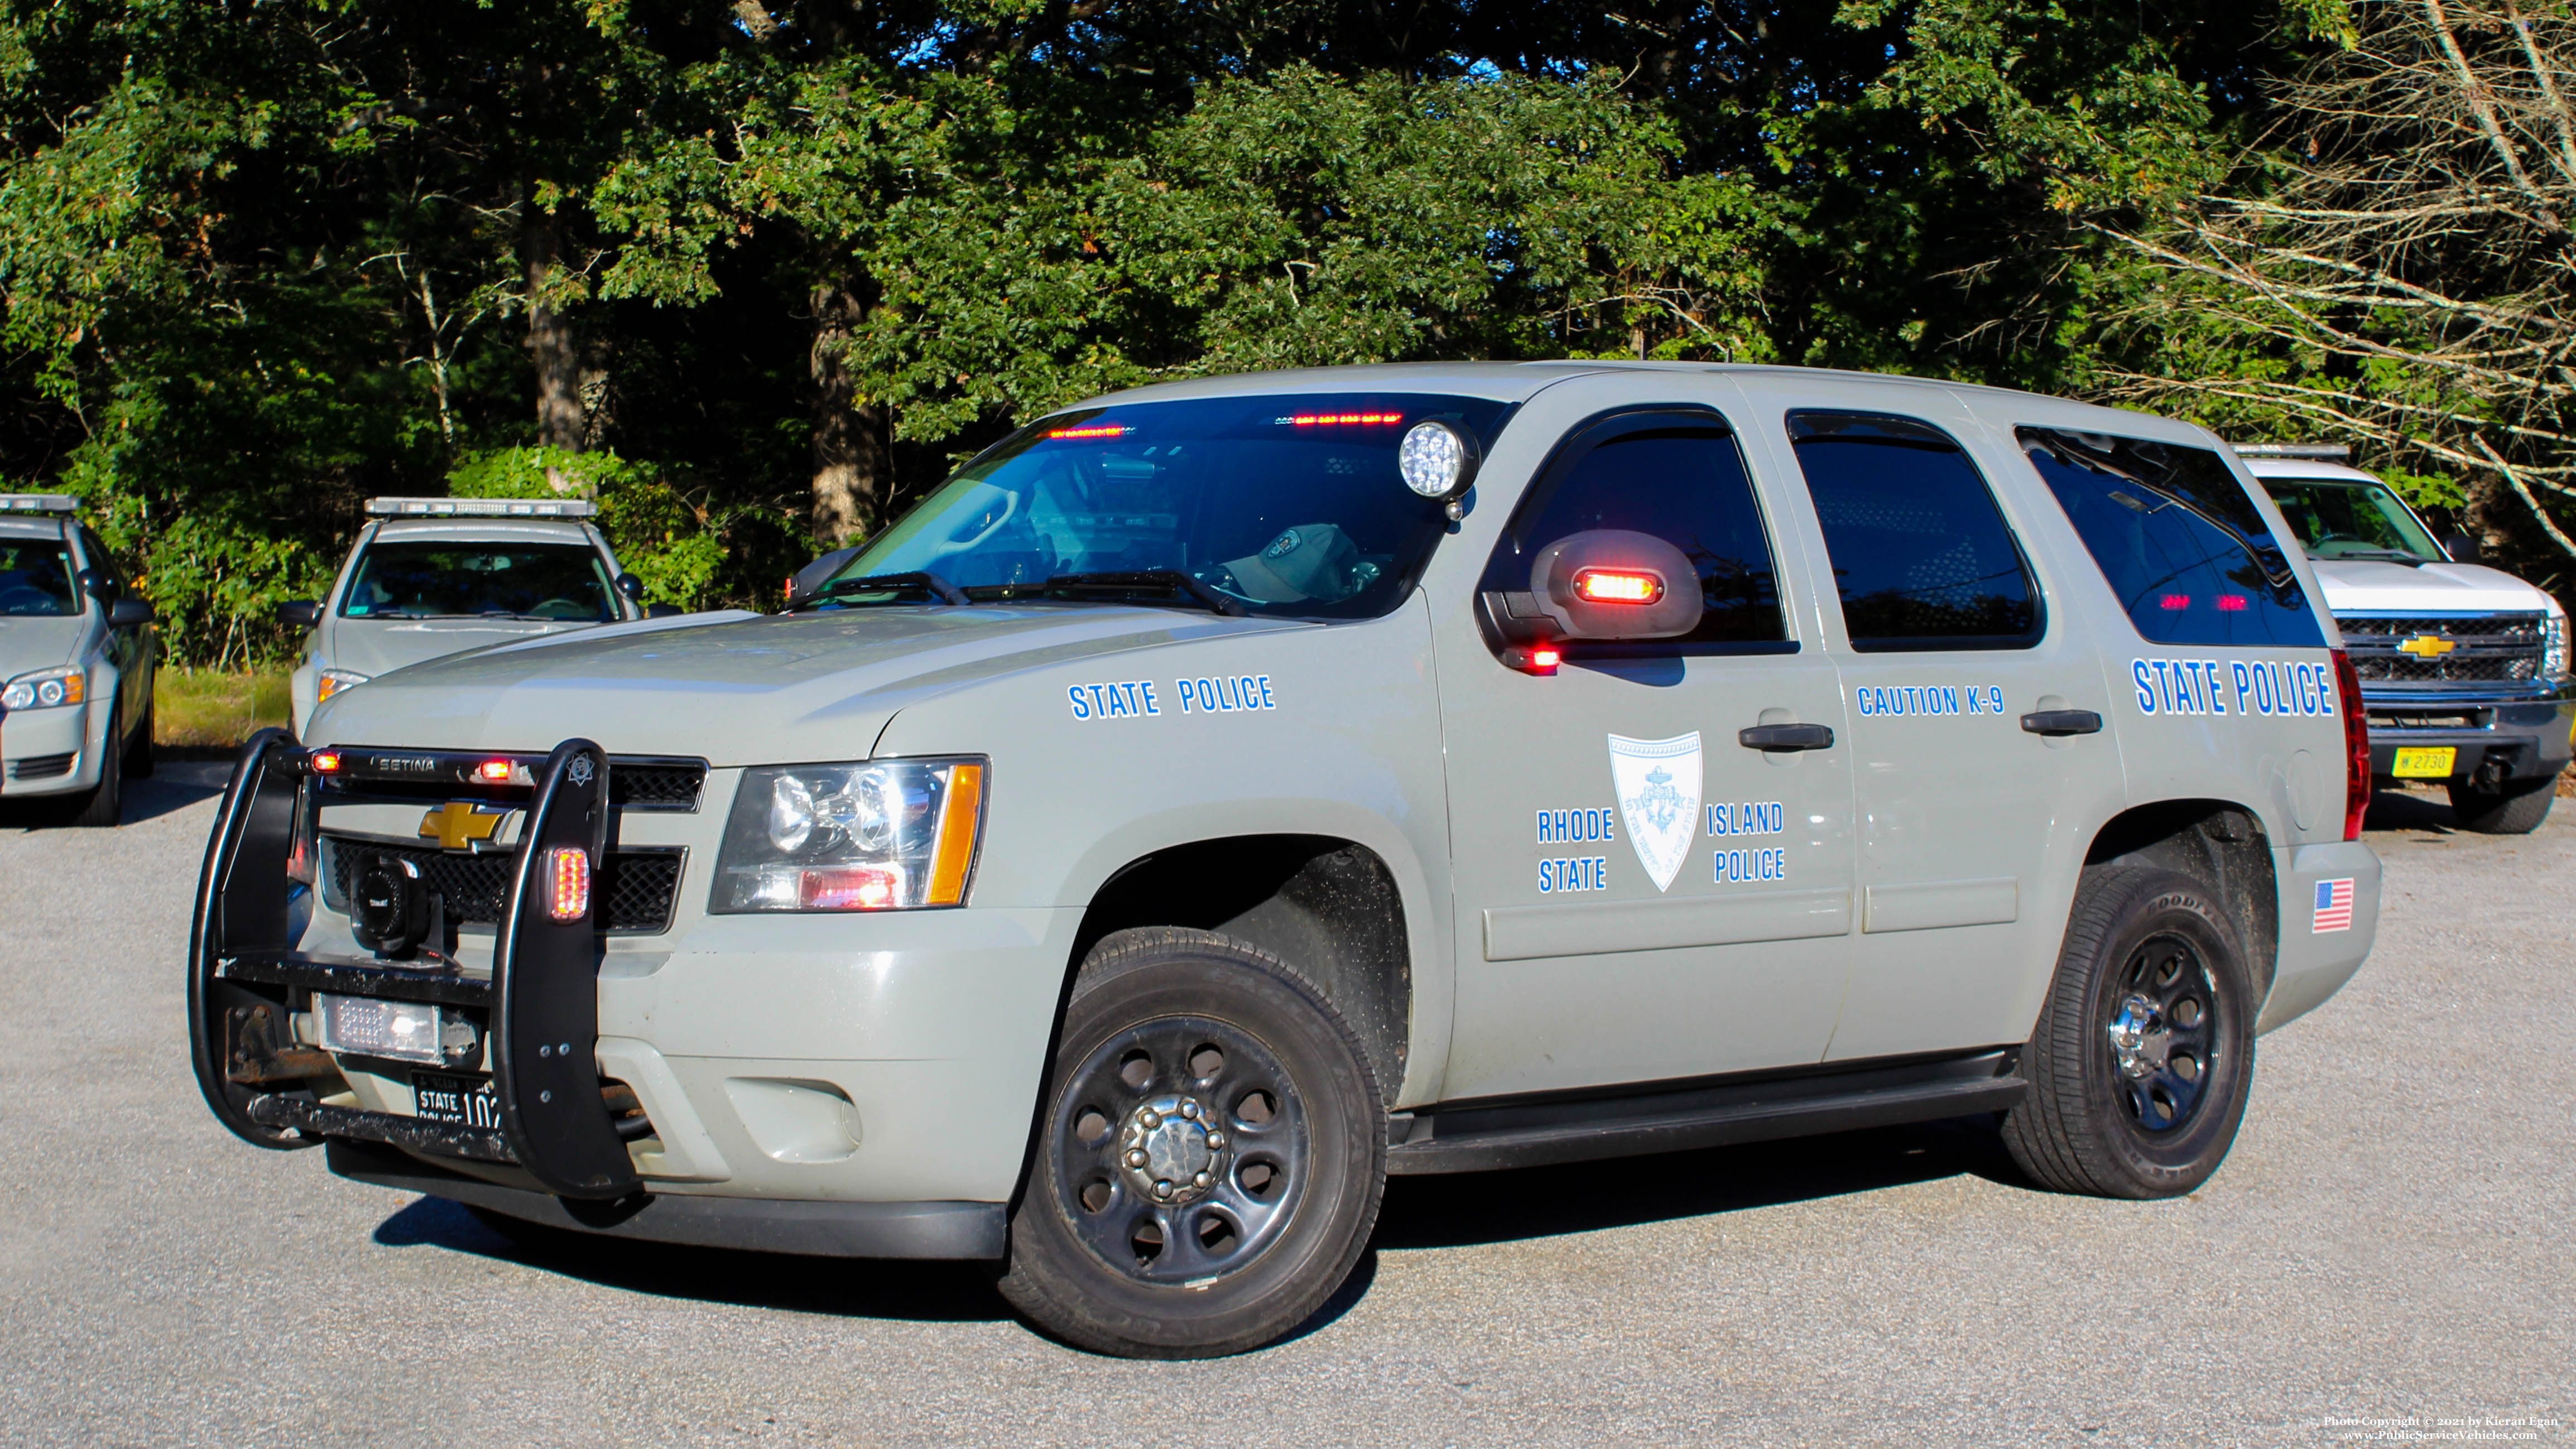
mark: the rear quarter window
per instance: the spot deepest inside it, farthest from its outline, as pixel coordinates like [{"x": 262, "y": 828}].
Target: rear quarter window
[{"x": 2177, "y": 539}]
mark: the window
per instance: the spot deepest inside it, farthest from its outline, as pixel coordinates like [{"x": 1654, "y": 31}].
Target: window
[
  {"x": 2350, "y": 518},
  {"x": 2177, "y": 539},
  {"x": 36, "y": 579},
  {"x": 1921, "y": 556},
  {"x": 1290, "y": 504},
  {"x": 441, "y": 579},
  {"x": 1678, "y": 476}
]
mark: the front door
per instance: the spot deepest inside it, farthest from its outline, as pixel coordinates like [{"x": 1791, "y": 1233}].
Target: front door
[{"x": 1640, "y": 895}]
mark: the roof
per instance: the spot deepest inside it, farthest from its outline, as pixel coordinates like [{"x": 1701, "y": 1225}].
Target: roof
[{"x": 2306, "y": 468}]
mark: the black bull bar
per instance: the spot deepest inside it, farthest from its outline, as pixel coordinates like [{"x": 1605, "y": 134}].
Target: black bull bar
[{"x": 542, "y": 999}]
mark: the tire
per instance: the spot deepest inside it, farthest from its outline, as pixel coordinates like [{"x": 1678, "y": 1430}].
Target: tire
[
  {"x": 104, "y": 806},
  {"x": 2144, "y": 1057},
  {"x": 1282, "y": 1130},
  {"x": 2519, "y": 811},
  {"x": 138, "y": 751}
]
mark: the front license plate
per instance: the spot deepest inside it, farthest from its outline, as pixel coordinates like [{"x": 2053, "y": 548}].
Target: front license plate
[
  {"x": 2425, "y": 762},
  {"x": 464, "y": 1101}
]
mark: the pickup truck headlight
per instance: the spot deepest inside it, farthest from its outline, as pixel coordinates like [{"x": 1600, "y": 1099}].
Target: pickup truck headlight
[
  {"x": 883, "y": 836},
  {"x": 2553, "y": 646},
  {"x": 332, "y": 681},
  {"x": 45, "y": 689}
]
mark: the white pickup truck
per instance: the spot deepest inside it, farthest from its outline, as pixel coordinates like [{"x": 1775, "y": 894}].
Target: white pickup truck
[{"x": 2464, "y": 668}]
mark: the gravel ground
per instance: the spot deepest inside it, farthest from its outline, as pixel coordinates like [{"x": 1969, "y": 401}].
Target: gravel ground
[{"x": 2390, "y": 1241}]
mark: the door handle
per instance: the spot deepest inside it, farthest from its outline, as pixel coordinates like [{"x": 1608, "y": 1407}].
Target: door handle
[
  {"x": 2062, "y": 722},
  {"x": 1786, "y": 737}
]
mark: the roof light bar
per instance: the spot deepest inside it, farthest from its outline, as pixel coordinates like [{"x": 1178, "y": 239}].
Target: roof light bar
[
  {"x": 2312, "y": 452},
  {"x": 481, "y": 508},
  {"x": 38, "y": 503}
]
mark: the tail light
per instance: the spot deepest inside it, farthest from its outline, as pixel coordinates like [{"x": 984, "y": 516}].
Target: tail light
[
  {"x": 567, "y": 883},
  {"x": 2356, "y": 746}
]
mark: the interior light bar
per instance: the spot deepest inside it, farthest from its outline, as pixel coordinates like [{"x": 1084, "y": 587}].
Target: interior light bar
[
  {"x": 1103, "y": 430},
  {"x": 1310, "y": 420},
  {"x": 481, "y": 508}
]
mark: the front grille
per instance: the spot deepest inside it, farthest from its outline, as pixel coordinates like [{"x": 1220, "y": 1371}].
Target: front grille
[
  {"x": 655, "y": 786},
  {"x": 636, "y": 888},
  {"x": 2485, "y": 648},
  {"x": 42, "y": 767}
]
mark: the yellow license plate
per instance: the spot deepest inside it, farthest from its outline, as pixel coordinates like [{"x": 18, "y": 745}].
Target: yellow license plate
[{"x": 2425, "y": 762}]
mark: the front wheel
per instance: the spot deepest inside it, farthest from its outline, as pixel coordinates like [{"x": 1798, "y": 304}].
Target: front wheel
[
  {"x": 104, "y": 806},
  {"x": 2144, "y": 1056},
  {"x": 1211, "y": 1158},
  {"x": 2517, "y": 812}
]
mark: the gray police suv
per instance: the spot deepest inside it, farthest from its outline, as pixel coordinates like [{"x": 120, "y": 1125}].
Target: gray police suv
[
  {"x": 433, "y": 576},
  {"x": 76, "y": 658},
  {"x": 1220, "y": 796}
]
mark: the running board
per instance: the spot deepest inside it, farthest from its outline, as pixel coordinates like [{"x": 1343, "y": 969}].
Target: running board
[{"x": 1717, "y": 1112}]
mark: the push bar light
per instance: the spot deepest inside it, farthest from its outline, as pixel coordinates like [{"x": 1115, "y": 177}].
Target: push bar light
[
  {"x": 481, "y": 508},
  {"x": 567, "y": 883}
]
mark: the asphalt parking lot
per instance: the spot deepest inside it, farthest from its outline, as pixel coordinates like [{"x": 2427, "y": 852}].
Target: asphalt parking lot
[{"x": 2391, "y": 1241}]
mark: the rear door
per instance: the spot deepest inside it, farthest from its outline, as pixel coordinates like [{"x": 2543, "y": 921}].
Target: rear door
[
  {"x": 1939, "y": 624},
  {"x": 1639, "y": 895}
]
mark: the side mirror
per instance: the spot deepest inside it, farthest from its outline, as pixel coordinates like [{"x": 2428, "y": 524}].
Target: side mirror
[
  {"x": 663, "y": 611},
  {"x": 631, "y": 586},
  {"x": 809, "y": 578},
  {"x": 2462, "y": 547},
  {"x": 126, "y": 613},
  {"x": 1604, "y": 583},
  {"x": 301, "y": 614}
]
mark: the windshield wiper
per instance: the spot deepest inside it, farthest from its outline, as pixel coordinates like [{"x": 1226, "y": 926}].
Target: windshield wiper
[
  {"x": 1124, "y": 584},
  {"x": 920, "y": 581},
  {"x": 2374, "y": 554}
]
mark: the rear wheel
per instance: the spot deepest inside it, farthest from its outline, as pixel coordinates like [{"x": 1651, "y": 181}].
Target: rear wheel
[
  {"x": 105, "y": 803},
  {"x": 1211, "y": 1159},
  {"x": 2144, "y": 1056},
  {"x": 2517, "y": 812}
]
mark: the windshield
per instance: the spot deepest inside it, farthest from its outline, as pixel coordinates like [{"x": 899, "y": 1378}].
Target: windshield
[
  {"x": 2350, "y": 518},
  {"x": 447, "y": 579},
  {"x": 36, "y": 579},
  {"x": 1277, "y": 505}
]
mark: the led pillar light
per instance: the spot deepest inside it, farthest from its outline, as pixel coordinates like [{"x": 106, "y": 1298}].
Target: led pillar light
[
  {"x": 1436, "y": 460},
  {"x": 567, "y": 883}
]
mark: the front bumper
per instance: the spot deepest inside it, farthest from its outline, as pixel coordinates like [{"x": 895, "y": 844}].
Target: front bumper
[
  {"x": 2497, "y": 740},
  {"x": 47, "y": 752}
]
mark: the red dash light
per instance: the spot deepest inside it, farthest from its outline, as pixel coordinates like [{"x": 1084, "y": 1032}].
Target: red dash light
[
  {"x": 493, "y": 772},
  {"x": 1618, "y": 586},
  {"x": 850, "y": 888},
  {"x": 2173, "y": 603},
  {"x": 567, "y": 883},
  {"x": 2234, "y": 603},
  {"x": 1311, "y": 420},
  {"x": 326, "y": 762},
  {"x": 1105, "y": 430}
]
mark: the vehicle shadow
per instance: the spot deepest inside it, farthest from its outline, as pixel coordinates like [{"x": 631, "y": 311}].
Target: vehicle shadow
[
  {"x": 172, "y": 788},
  {"x": 2406, "y": 810},
  {"x": 1419, "y": 1213}
]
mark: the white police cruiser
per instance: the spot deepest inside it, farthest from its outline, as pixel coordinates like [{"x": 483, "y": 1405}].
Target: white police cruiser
[
  {"x": 433, "y": 576},
  {"x": 2463, "y": 668},
  {"x": 76, "y": 661},
  {"x": 1220, "y": 796}
]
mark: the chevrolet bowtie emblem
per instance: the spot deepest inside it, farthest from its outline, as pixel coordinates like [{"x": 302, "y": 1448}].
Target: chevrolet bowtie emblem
[
  {"x": 2427, "y": 646},
  {"x": 460, "y": 824}
]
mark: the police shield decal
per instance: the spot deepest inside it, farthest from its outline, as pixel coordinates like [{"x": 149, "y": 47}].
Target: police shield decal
[{"x": 1657, "y": 782}]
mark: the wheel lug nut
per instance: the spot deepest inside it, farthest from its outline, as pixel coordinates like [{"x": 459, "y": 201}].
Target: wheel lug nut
[
  {"x": 1189, "y": 1109},
  {"x": 1201, "y": 1180},
  {"x": 1149, "y": 1119},
  {"x": 1136, "y": 1157},
  {"x": 1162, "y": 1189},
  {"x": 1216, "y": 1140}
]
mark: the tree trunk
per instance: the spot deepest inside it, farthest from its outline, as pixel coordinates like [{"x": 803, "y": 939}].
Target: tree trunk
[
  {"x": 552, "y": 343},
  {"x": 853, "y": 472}
]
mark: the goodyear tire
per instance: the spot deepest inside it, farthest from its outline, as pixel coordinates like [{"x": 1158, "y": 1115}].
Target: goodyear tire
[
  {"x": 2144, "y": 1056},
  {"x": 2517, "y": 812},
  {"x": 1211, "y": 1156}
]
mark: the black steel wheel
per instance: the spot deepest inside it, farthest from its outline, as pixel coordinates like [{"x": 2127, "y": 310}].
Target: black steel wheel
[
  {"x": 1211, "y": 1157},
  {"x": 2144, "y": 1057}
]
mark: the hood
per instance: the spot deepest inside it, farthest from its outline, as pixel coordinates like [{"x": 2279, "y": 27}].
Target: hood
[
  {"x": 2373, "y": 586},
  {"x": 38, "y": 642},
  {"x": 739, "y": 689},
  {"x": 381, "y": 646}
]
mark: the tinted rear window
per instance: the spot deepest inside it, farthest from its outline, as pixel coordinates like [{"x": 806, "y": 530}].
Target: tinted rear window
[
  {"x": 1921, "y": 555},
  {"x": 2177, "y": 539}
]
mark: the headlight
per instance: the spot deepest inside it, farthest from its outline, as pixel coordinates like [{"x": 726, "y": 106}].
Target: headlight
[
  {"x": 45, "y": 688},
  {"x": 332, "y": 681},
  {"x": 884, "y": 836},
  {"x": 2553, "y": 646}
]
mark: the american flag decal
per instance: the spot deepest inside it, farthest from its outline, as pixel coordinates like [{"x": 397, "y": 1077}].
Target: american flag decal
[{"x": 2334, "y": 906}]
